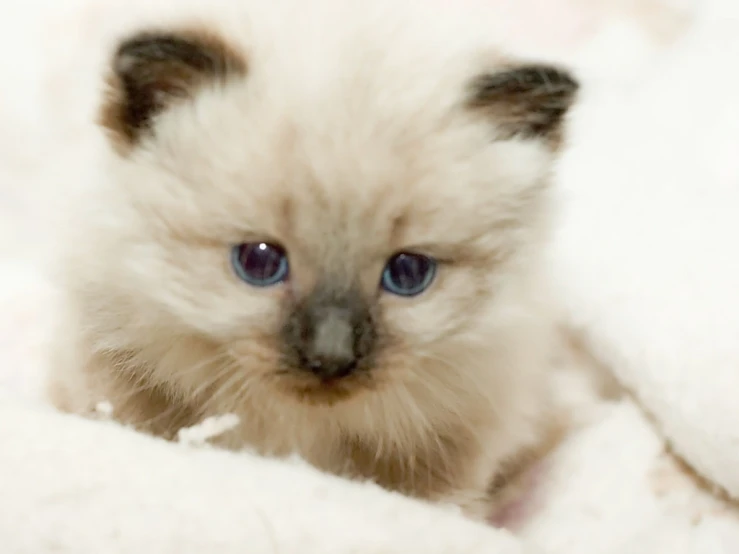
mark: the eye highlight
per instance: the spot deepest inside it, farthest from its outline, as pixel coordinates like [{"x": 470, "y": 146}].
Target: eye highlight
[
  {"x": 260, "y": 264},
  {"x": 408, "y": 274}
]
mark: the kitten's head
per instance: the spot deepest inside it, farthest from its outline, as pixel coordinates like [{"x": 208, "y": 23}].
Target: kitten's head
[{"x": 338, "y": 213}]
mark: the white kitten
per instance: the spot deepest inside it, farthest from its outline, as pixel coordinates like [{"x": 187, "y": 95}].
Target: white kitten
[{"x": 326, "y": 218}]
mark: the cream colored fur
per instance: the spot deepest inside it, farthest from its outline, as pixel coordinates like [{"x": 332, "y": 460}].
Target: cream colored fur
[{"x": 345, "y": 124}]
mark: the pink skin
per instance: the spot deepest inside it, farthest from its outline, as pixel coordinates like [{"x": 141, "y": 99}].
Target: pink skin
[{"x": 514, "y": 515}]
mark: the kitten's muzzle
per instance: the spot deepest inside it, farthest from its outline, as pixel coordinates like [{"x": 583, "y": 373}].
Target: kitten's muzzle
[{"x": 330, "y": 334}]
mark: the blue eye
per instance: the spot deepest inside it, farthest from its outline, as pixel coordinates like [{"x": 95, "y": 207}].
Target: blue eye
[
  {"x": 260, "y": 264},
  {"x": 408, "y": 274}
]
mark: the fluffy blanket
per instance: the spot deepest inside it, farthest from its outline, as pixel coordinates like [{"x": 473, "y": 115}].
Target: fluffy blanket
[{"x": 647, "y": 267}]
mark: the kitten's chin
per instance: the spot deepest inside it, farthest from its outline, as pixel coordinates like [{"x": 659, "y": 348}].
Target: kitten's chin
[{"x": 312, "y": 391}]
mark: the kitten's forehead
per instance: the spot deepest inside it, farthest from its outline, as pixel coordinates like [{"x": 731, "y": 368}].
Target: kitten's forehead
[
  {"x": 369, "y": 143},
  {"x": 349, "y": 184}
]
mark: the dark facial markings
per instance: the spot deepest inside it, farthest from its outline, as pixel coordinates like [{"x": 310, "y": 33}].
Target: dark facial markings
[{"x": 330, "y": 334}]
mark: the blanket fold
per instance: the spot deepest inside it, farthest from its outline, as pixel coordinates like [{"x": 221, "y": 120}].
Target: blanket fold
[
  {"x": 647, "y": 253},
  {"x": 83, "y": 487}
]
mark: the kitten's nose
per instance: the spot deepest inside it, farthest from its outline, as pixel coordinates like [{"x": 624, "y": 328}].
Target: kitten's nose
[
  {"x": 329, "y": 334},
  {"x": 330, "y": 352}
]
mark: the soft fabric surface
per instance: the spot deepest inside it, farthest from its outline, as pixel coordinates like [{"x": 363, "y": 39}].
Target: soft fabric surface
[
  {"x": 648, "y": 256},
  {"x": 79, "y": 487},
  {"x": 647, "y": 268}
]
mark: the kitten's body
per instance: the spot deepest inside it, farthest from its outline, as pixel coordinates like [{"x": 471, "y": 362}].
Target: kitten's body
[{"x": 346, "y": 134}]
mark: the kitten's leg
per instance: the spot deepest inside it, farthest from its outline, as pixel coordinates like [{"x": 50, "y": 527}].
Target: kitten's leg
[
  {"x": 577, "y": 384},
  {"x": 78, "y": 385}
]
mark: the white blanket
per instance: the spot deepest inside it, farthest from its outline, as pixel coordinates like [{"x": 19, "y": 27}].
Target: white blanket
[
  {"x": 648, "y": 269},
  {"x": 648, "y": 253}
]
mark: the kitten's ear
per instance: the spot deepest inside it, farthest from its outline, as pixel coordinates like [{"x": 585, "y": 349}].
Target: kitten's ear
[
  {"x": 527, "y": 101},
  {"x": 151, "y": 70}
]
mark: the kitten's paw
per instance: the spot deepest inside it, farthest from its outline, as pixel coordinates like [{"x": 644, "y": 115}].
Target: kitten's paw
[{"x": 473, "y": 504}]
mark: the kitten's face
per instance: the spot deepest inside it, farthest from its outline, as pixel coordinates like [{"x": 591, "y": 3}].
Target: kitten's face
[{"x": 326, "y": 241}]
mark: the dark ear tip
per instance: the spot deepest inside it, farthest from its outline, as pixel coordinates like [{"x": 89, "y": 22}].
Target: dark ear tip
[
  {"x": 527, "y": 100},
  {"x": 529, "y": 75},
  {"x": 199, "y": 50},
  {"x": 131, "y": 49},
  {"x": 152, "y": 69}
]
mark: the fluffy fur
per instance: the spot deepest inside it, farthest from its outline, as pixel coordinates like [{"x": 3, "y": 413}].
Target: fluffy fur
[{"x": 346, "y": 134}]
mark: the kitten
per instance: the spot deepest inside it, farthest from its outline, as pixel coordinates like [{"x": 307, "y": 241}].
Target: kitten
[{"x": 328, "y": 220}]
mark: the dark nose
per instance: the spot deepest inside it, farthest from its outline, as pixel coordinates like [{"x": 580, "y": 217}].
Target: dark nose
[
  {"x": 330, "y": 352},
  {"x": 330, "y": 334}
]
